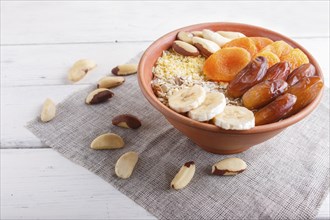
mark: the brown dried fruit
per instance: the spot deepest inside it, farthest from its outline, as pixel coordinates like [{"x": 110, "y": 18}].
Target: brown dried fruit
[
  {"x": 305, "y": 90},
  {"x": 305, "y": 70},
  {"x": 251, "y": 75},
  {"x": 263, "y": 93},
  {"x": 278, "y": 71},
  {"x": 275, "y": 110},
  {"x": 126, "y": 121}
]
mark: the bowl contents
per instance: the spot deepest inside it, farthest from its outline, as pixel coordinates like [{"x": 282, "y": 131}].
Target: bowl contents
[
  {"x": 184, "y": 176},
  {"x": 234, "y": 118},
  {"x": 234, "y": 81}
]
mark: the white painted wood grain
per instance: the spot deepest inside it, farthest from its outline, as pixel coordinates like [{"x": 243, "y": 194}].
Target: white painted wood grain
[
  {"x": 44, "y": 65},
  {"x": 97, "y": 21},
  {"x": 41, "y": 184}
]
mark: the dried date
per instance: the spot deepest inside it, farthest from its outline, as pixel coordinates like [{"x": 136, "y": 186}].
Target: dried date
[
  {"x": 249, "y": 76},
  {"x": 305, "y": 70},
  {"x": 275, "y": 110},
  {"x": 278, "y": 71},
  {"x": 263, "y": 93},
  {"x": 306, "y": 91}
]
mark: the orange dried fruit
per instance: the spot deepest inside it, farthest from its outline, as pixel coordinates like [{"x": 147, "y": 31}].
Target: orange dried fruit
[
  {"x": 224, "y": 64},
  {"x": 261, "y": 42},
  {"x": 270, "y": 57},
  {"x": 243, "y": 42},
  {"x": 296, "y": 58},
  {"x": 280, "y": 48}
]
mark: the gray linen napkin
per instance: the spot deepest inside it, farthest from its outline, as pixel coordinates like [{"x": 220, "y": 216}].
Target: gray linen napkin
[{"x": 287, "y": 177}]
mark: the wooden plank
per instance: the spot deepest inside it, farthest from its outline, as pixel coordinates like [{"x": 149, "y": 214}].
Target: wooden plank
[
  {"x": 41, "y": 184},
  {"x": 50, "y": 63},
  {"x": 44, "y": 22},
  {"x": 22, "y": 104}
]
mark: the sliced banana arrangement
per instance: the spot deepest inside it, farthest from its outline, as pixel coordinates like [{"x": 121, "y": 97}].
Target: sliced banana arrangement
[
  {"x": 187, "y": 99},
  {"x": 205, "y": 106},
  {"x": 213, "y": 105},
  {"x": 235, "y": 118}
]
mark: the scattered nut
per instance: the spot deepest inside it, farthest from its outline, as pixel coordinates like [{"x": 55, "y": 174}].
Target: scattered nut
[
  {"x": 215, "y": 37},
  {"x": 197, "y": 33},
  {"x": 124, "y": 70},
  {"x": 184, "y": 176},
  {"x": 229, "y": 167},
  {"x": 107, "y": 141},
  {"x": 110, "y": 82},
  {"x": 80, "y": 69},
  {"x": 206, "y": 47},
  {"x": 98, "y": 96},
  {"x": 230, "y": 34},
  {"x": 185, "y": 36},
  {"x": 48, "y": 110},
  {"x": 125, "y": 164},
  {"x": 126, "y": 121},
  {"x": 184, "y": 48}
]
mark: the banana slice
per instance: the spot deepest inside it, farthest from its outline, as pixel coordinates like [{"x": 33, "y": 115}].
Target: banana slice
[
  {"x": 235, "y": 118},
  {"x": 187, "y": 99},
  {"x": 214, "y": 104}
]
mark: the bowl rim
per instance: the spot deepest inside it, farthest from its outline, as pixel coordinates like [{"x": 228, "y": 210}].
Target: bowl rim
[{"x": 167, "y": 112}]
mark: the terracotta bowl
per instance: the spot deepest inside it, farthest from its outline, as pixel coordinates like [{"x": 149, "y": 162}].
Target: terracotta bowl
[{"x": 208, "y": 136}]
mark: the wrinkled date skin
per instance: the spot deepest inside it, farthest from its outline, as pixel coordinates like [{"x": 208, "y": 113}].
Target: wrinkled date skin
[
  {"x": 306, "y": 91},
  {"x": 305, "y": 70},
  {"x": 278, "y": 71},
  {"x": 263, "y": 93},
  {"x": 275, "y": 110},
  {"x": 249, "y": 76}
]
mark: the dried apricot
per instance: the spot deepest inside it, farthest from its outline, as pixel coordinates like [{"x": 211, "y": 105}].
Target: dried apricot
[
  {"x": 226, "y": 63},
  {"x": 280, "y": 48},
  {"x": 271, "y": 57},
  {"x": 261, "y": 42},
  {"x": 243, "y": 42},
  {"x": 296, "y": 58}
]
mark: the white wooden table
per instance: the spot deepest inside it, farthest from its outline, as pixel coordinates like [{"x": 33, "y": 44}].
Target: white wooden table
[{"x": 39, "y": 42}]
